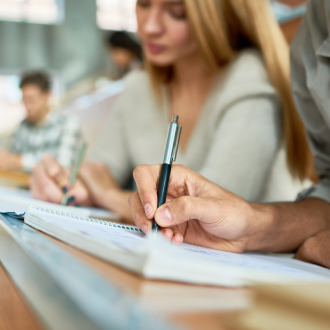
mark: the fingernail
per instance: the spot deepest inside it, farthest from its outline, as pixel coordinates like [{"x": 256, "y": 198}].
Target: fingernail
[
  {"x": 65, "y": 190},
  {"x": 145, "y": 229},
  {"x": 70, "y": 200},
  {"x": 148, "y": 209},
  {"x": 165, "y": 215}
]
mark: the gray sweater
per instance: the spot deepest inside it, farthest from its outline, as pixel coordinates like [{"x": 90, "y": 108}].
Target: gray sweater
[{"x": 236, "y": 142}]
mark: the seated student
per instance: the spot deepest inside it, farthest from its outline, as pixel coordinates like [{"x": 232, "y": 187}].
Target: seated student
[
  {"x": 125, "y": 53},
  {"x": 41, "y": 133},
  {"x": 223, "y": 67},
  {"x": 225, "y": 221}
]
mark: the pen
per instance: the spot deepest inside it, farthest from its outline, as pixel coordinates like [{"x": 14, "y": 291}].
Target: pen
[
  {"x": 75, "y": 170},
  {"x": 171, "y": 150}
]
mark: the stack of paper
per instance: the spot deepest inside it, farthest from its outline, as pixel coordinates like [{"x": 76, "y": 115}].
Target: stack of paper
[
  {"x": 153, "y": 257},
  {"x": 22, "y": 199}
]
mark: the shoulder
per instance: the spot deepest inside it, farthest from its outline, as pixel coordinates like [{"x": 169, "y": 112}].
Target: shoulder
[
  {"x": 63, "y": 121},
  {"x": 137, "y": 82},
  {"x": 248, "y": 69},
  {"x": 247, "y": 76},
  {"x": 245, "y": 90},
  {"x": 138, "y": 94}
]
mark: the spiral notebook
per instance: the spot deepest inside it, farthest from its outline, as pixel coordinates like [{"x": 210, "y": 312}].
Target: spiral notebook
[
  {"x": 22, "y": 198},
  {"x": 153, "y": 257}
]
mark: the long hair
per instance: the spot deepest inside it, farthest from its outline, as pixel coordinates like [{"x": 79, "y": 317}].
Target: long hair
[{"x": 221, "y": 29}]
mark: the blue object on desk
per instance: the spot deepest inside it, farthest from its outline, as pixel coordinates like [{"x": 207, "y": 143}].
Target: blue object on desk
[{"x": 14, "y": 215}]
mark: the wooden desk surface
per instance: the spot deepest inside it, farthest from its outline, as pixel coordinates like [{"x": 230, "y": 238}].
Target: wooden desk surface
[
  {"x": 14, "y": 178},
  {"x": 184, "y": 304}
]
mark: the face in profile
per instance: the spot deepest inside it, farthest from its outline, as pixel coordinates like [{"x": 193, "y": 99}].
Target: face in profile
[
  {"x": 35, "y": 101},
  {"x": 164, "y": 31}
]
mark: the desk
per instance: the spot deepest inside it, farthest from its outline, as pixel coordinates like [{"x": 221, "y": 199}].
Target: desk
[
  {"x": 14, "y": 179},
  {"x": 192, "y": 306}
]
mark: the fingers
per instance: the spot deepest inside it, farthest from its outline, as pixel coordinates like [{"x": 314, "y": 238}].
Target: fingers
[
  {"x": 146, "y": 179},
  {"x": 144, "y": 224},
  {"x": 138, "y": 213},
  {"x": 180, "y": 210},
  {"x": 56, "y": 172},
  {"x": 172, "y": 235},
  {"x": 43, "y": 187}
]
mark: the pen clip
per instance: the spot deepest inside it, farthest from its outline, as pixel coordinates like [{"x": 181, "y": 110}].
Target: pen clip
[{"x": 176, "y": 143}]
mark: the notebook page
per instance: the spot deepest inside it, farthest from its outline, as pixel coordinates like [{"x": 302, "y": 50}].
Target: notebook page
[
  {"x": 23, "y": 198},
  {"x": 8, "y": 208},
  {"x": 187, "y": 263},
  {"x": 275, "y": 264},
  {"x": 120, "y": 237}
]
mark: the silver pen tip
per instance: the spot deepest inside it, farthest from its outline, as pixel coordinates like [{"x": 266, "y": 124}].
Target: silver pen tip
[{"x": 175, "y": 119}]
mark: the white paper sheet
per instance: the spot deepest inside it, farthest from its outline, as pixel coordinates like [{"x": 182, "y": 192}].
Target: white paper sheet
[
  {"x": 23, "y": 198},
  {"x": 188, "y": 262},
  {"x": 275, "y": 264}
]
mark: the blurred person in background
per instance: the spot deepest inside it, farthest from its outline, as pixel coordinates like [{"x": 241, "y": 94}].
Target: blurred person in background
[
  {"x": 41, "y": 133},
  {"x": 223, "y": 67},
  {"x": 125, "y": 53}
]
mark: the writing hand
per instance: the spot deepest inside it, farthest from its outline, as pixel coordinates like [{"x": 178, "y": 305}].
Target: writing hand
[
  {"x": 197, "y": 211},
  {"x": 50, "y": 180}
]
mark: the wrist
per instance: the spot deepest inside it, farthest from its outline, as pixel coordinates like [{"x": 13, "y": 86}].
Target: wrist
[{"x": 261, "y": 225}]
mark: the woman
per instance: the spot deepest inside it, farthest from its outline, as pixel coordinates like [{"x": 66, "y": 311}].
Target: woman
[{"x": 223, "y": 67}]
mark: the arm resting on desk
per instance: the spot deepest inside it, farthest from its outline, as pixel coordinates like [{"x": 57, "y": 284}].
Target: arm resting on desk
[{"x": 10, "y": 161}]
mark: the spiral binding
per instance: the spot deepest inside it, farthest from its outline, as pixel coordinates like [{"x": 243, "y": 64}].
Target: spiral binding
[{"x": 99, "y": 222}]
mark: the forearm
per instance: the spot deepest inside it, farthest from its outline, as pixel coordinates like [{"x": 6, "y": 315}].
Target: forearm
[
  {"x": 14, "y": 162},
  {"x": 283, "y": 227},
  {"x": 117, "y": 201}
]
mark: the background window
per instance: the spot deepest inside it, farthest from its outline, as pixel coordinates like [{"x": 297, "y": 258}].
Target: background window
[
  {"x": 116, "y": 15},
  {"x": 32, "y": 11}
]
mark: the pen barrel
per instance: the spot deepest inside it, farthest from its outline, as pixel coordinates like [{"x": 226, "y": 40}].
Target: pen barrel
[
  {"x": 162, "y": 188},
  {"x": 163, "y": 184}
]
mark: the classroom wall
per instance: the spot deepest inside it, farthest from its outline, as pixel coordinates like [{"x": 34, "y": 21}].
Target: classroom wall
[{"x": 74, "y": 49}]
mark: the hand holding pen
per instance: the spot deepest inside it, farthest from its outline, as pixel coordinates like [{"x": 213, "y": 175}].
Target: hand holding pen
[{"x": 50, "y": 181}]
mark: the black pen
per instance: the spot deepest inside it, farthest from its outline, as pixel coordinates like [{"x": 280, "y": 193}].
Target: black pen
[{"x": 171, "y": 150}]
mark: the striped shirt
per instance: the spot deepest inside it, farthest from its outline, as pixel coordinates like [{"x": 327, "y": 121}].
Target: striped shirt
[{"x": 57, "y": 136}]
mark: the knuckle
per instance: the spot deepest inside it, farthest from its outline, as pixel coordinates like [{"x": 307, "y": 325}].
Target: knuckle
[
  {"x": 182, "y": 168},
  {"x": 186, "y": 205},
  {"x": 139, "y": 171},
  {"x": 36, "y": 168}
]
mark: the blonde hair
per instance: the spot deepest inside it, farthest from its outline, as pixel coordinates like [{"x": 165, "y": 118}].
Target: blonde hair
[{"x": 224, "y": 27}]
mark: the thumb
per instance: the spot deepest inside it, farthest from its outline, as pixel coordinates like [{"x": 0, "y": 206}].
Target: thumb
[{"x": 183, "y": 209}]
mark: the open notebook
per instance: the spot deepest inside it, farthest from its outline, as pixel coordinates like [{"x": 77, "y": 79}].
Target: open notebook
[
  {"x": 22, "y": 199},
  {"x": 153, "y": 257}
]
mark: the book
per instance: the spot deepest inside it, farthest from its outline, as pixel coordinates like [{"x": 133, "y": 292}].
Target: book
[
  {"x": 22, "y": 198},
  {"x": 292, "y": 307},
  {"x": 154, "y": 257}
]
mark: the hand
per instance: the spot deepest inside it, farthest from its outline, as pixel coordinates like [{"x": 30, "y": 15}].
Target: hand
[
  {"x": 50, "y": 180},
  {"x": 98, "y": 181},
  {"x": 316, "y": 249},
  {"x": 10, "y": 161},
  {"x": 197, "y": 211}
]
